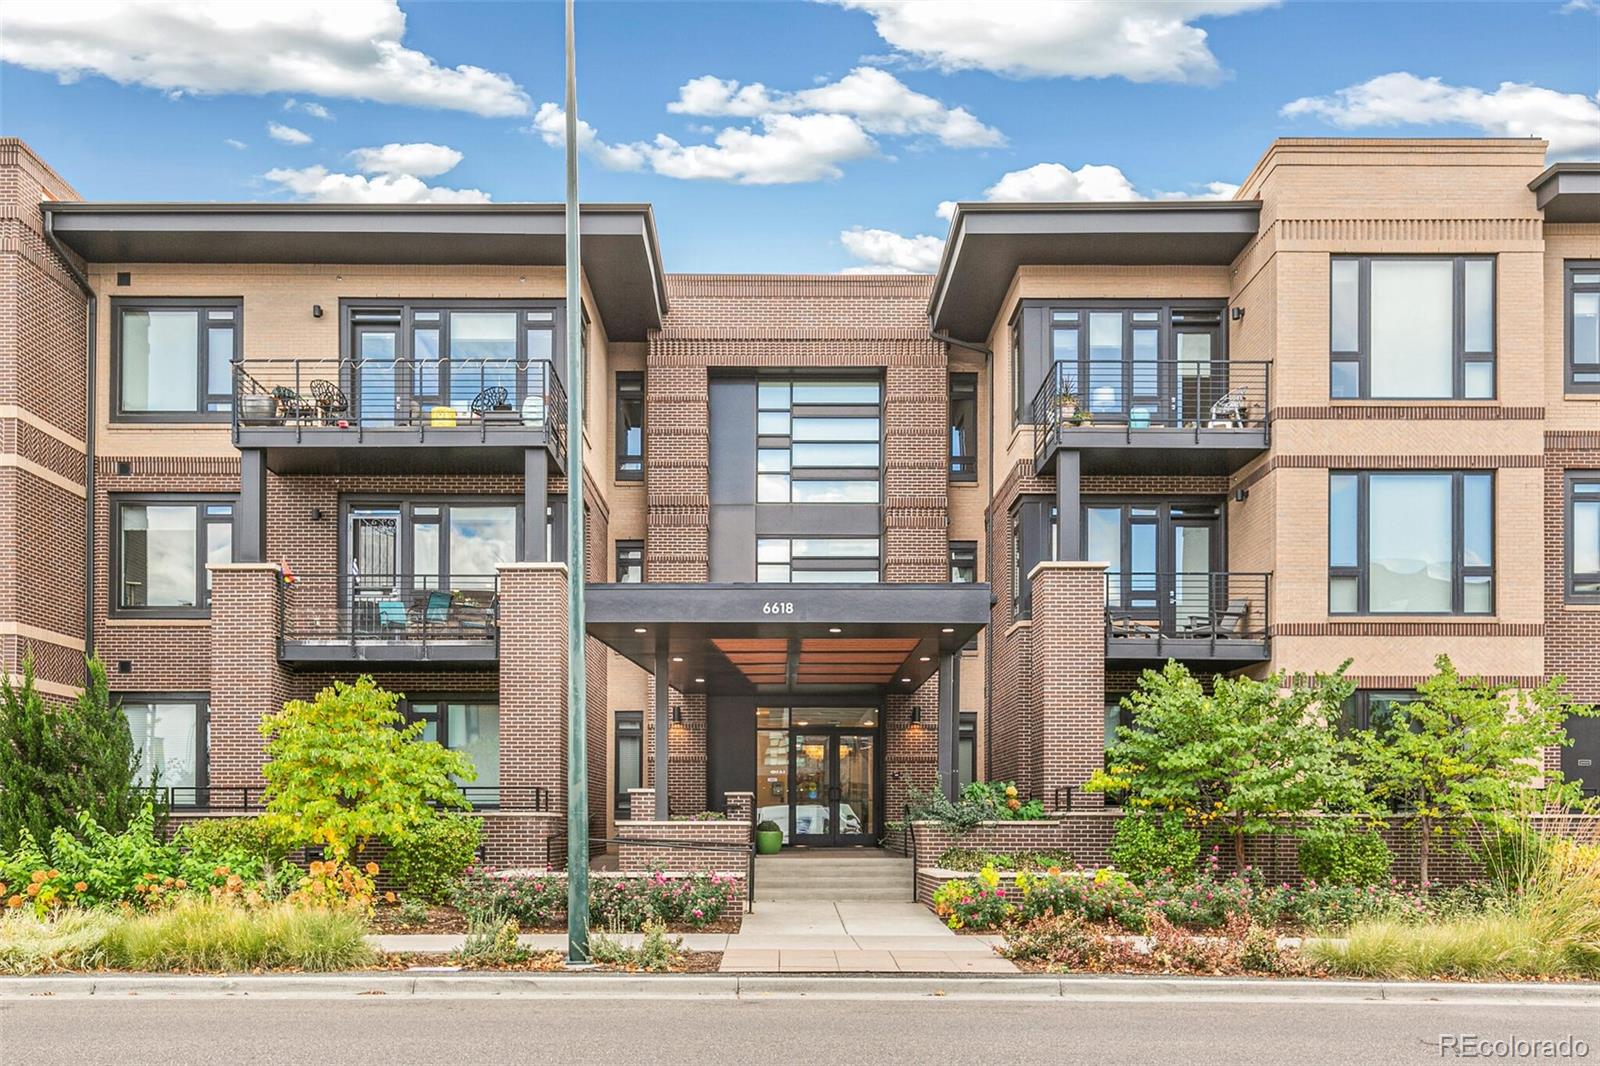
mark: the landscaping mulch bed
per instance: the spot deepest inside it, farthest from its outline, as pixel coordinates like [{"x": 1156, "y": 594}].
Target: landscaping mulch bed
[
  {"x": 386, "y": 920},
  {"x": 539, "y": 962}
]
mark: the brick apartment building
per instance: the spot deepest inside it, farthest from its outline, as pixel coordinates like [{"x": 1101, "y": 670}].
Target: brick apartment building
[{"x": 846, "y": 535}]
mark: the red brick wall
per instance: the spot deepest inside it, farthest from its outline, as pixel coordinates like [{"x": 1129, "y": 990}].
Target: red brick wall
[
  {"x": 1571, "y": 637},
  {"x": 1069, "y": 686},
  {"x": 1008, "y": 728},
  {"x": 533, "y": 681},
  {"x": 246, "y": 681}
]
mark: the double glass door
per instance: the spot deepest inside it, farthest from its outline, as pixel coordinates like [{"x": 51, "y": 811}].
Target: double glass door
[
  {"x": 817, "y": 772},
  {"x": 1162, "y": 561}
]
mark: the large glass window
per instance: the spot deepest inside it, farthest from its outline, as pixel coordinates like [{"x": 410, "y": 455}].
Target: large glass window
[
  {"x": 818, "y": 441},
  {"x": 630, "y": 427},
  {"x": 1410, "y": 543},
  {"x": 1370, "y": 709},
  {"x": 628, "y": 760},
  {"x": 470, "y": 726},
  {"x": 174, "y": 359},
  {"x": 967, "y": 749},
  {"x": 963, "y": 561},
  {"x": 163, "y": 546},
  {"x": 630, "y": 561},
  {"x": 1583, "y": 537},
  {"x": 963, "y": 427},
  {"x": 1154, "y": 363},
  {"x": 169, "y": 735},
  {"x": 1583, "y": 327},
  {"x": 1412, "y": 328},
  {"x": 813, "y": 560},
  {"x": 430, "y": 543}
]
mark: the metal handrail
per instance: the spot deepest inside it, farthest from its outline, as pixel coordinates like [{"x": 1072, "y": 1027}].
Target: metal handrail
[
  {"x": 1227, "y": 605},
  {"x": 250, "y": 797},
  {"x": 360, "y": 608},
  {"x": 911, "y": 845}
]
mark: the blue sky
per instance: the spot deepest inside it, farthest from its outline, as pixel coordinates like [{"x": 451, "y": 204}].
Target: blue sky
[{"x": 132, "y": 100}]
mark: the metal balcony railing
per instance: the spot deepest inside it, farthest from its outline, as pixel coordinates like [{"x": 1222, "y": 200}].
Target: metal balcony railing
[
  {"x": 417, "y": 395},
  {"x": 391, "y": 608},
  {"x": 252, "y": 798},
  {"x": 1186, "y": 394},
  {"x": 1205, "y": 606}
]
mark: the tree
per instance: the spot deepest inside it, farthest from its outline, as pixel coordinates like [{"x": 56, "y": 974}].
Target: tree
[
  {"x": 341, "y": 770},
  {"x": 60, "y": 760},
  {"x": 1246, "y": 756},
  {"x": 1466, "y": 750}
]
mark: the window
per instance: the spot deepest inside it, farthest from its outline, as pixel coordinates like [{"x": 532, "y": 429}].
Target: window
[
  {"x": 162, "y": 547},
  {"x": 583, "y": 357},
  {"x": 1583, "y": 327},
  {"x": 963, "y": 427},
  {"x": 1033, "y": 522},
  {"x": 1410, "y": 543},
  {"x": 1157, "y": 552},
  {"x": 1583, "y": 537},
  {"x": 818, "y": 441},
  {"x": 630, "y": 427},
  {"x": 1412, "y": 329},
  {"x": 1020, "y": 401},
  {"x": 169, "y": 735},
  {"x": 963, "y": 562},
  {"x": 471, "y": 726},
  {"x": 173, "y": 359},
  {"x": 430, "y": 543},
  {"x": 630, "y": 561},
  {"x": 1367, "y": 709},
  {"x": 810, "y": 560},
  {"x": 967, "y": 749},
  {"x": 628, "y": 763}
]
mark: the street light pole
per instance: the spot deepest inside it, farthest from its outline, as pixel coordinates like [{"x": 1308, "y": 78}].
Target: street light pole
[{"x": 577, "y": 741}]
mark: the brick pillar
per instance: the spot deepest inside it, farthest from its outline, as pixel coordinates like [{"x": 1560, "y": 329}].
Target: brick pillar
[
  {"x": 533, "y": 684},
  {"x": 910, "y": 757},
  {"x": 641, "y": 804},
  {"x": 1068, "y": 647},
  {"x": 247, "y": 683},
  {"x": 686, "y": 756}
]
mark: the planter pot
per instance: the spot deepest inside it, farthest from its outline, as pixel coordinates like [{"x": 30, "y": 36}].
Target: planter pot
[
  {"x": 769, "y": 843},
  {"x": 257, "y": 407}
]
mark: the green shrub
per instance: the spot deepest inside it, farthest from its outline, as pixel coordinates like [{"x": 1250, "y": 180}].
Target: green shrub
[
  {"x": 491, "y": 938},
  {"x": 251, "y": 837},
  {"x": 656, "y": 953},
  {"x": 973, "y": 902},
  {"x": 1147, "y": 846},
  {"x": 211, "y": 935},
  {"x": 972, "y": 860},
  {"x": 1339, "y": 857},
  {"x": 430, "y": 861},
  {"x": 1512, "y": 855},
  {"x": 71, "y": 941}
]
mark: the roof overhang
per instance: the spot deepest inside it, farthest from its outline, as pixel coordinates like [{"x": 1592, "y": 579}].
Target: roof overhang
[
  {"x": 989, "y": 241},
  {"x": 621, "y": 256},
  {"x": 712, "y": 631},
  {"x": 1568, "y": 192}
]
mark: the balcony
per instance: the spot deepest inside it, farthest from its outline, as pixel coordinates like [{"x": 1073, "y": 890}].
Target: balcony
[
  {"x": 399, "y": 620},
  {"x": 1216, "y": 617},
  {"x": 1177, "y": 416},
  {"x": 346, "y": 416}
]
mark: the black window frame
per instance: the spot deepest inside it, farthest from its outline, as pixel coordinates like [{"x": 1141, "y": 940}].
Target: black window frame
[
  {"x": 629, "y": 555},
  {"x": 1019, "y": 402},
  {"x": 199, "y": 501},
  {"x": 437, "y": 700},
  {"x": 406, "y": 504},
  {"x": 631, "y": 723},
  {"x": 962, "y": 402},
  {"x": 786, "y": 442},
  {"x": 967, "y": 759},
  {"x": 819, "y": 564},
  {"x": 200, "y": 305},
  {"x": 1356, "y": 713},
  {"x": 1032, "y": 540},
  {"x": 202, "y": 739},
  {"x": 964, "y": 553},
  {"x": 1571, "y": 268},
  {"x": 1460, "y": 355},
  {"x": 629, "y": 392},
  {"x": 1460, "y": 572},
  {"x": 1571, "y": 578}
]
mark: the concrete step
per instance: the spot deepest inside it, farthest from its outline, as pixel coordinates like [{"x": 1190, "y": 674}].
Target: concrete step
[
  {"x": 775, "y": 894},
  {"x": 822, "y": 884}
]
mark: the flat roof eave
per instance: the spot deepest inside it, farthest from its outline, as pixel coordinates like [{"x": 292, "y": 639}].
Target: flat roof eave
[
  {"x": 1568, "y": 192},
  {"x": 988, "y": 242}
]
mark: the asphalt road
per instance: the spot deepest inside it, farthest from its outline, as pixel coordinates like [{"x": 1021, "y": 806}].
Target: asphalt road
[{"x": 614, "y": 1031}]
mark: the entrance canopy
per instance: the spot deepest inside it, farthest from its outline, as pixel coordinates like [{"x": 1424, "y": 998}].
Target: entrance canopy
[{"x": 763, "y": 637}]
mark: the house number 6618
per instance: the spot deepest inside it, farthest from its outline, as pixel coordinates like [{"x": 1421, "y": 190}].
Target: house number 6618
[{"x": 778, "y": 607}]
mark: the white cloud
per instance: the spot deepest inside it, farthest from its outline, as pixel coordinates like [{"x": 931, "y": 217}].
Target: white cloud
[
  {"x": 349, "y": 49},
  {"x": 1055, "y": 181},
  {"x": 884, "y": 252},
  {"x": 233, "y": 142},
  {"x": 1572, "y": 7},
  {"x": 419, "y": 160},
  {"x": 309, "y": 107},
  {"x": 319, "y": 185},
  {"x": 876, "y": 99},
  {"x": 778, "y": 150},
  {"x": 287, "y": 134},
  {"x": 1141, "y": 40},
  {"x": 1210, "y": 190},
  {"x": 1569, "y": 121}
]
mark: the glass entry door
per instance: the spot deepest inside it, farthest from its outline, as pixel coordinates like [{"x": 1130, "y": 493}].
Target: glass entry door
[{"x": 833, "y": 778}]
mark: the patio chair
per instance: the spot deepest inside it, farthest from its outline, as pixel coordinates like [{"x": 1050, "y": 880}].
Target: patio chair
[
  {"x": 1125, "y": 625},
  {"x": 490, "y": 400},
  {"x": 436, "y": 609},
  {"x": 473, "y": 610},
  {"x": 392, "y": 614},
  {"x": 330, "y": 399},
  {"x": 1228, "y": 622},
  {"x": 291, "y": 405},
  {"x": 1230, "y": 411}
]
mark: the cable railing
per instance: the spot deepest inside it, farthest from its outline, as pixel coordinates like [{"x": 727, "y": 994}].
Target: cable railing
[
  {"x": 1187, "y": 394},
  {"x": 1187, "y": 605},
  {"x": 354, "y": 609},
  {"x": 417, "y": 395}
]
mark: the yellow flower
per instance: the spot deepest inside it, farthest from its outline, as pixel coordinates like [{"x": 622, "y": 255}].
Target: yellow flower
[{"x": 1011, "y": 791}]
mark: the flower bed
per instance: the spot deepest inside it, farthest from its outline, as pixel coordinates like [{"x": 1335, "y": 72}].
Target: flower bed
[{"x": 538, "y": 901}]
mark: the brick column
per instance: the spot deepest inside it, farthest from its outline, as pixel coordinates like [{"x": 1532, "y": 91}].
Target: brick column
[
  {"x": 1069, "y": 677},
  {"x": 247, "y": 683},
  {"x": 641, "y": 804},
  {"x": 533, "y": 684}
]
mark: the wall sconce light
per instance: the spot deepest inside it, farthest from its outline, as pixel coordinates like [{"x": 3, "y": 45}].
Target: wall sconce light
[
  {"x": 677, "y": 716},
  {"x": 916, "y": 715},
  {"x": 316, "y": 310},
  {"x": 316, "y": 514},
  {"x": 1240, "y": 495},
  {"x": 1236, "y": 313}
]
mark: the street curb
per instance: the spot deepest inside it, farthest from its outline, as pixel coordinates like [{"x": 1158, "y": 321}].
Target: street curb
[{"x": 1082, "y": 989}]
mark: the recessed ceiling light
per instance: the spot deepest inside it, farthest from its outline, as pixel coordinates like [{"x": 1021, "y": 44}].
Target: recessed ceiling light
[
  {"x": 948, "y": 629},
  {"x": 835, "y": 629},
  {"x": 640, "y": 629},
  {"x": 677, "y": 658},
  {"x": 699, "y": 680},
  {"x": 923, "y": 658},
  {"x": 802, "y": 723},
  {"x": 907, "y": 680}
]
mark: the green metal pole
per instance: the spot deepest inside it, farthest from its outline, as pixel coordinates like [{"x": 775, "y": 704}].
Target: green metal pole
[{"x": 577, "y": 739}]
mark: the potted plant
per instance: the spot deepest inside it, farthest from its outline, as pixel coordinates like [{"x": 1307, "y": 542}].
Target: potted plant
[{"x": 769, "y": 838}]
